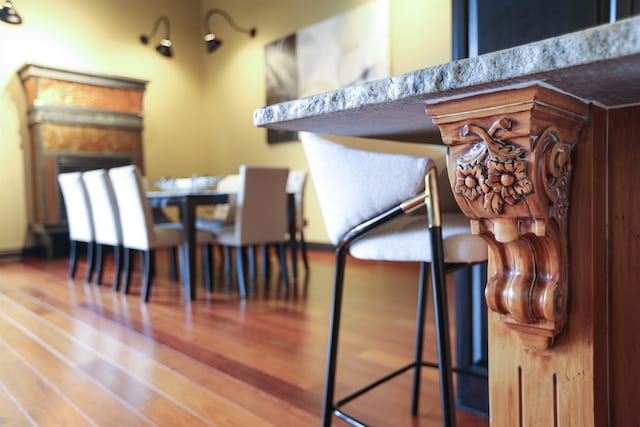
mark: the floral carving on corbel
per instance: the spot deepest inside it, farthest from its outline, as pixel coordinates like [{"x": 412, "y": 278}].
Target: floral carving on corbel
[{"x": 494, "y": 168}]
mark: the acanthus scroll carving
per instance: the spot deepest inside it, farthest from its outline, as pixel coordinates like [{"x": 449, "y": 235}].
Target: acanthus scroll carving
[{"x": 511, "y": 174}]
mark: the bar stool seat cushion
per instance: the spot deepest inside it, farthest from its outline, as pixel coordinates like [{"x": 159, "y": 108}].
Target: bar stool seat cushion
[{"x": 407, "y": 239}]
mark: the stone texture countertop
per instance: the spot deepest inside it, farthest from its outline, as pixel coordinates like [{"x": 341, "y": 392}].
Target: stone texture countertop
[{"x": 600, "y": 64}]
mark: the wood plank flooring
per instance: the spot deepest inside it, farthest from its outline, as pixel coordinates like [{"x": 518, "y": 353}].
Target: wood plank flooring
[{"x": 74, "y": 354}]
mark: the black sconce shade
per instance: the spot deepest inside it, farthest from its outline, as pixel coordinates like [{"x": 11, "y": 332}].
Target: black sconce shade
[
  {"x": 9, "y": 15},
  {"x": 164, "y": 48},
  {"x": 213, "y": 42}
]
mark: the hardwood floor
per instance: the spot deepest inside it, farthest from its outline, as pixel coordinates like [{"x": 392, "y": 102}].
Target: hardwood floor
[{"x": 73, "y": 354}]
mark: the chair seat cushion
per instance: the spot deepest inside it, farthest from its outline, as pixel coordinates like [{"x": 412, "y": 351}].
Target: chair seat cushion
[
  {"x": 167, "y": 235},
  {"x": 210, "y": 225},
  {"x": 407, "y": 239}
]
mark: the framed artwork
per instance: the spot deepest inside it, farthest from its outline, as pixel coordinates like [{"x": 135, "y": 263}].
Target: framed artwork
[
  {"x": 282, "y": 80},
  {"x": 343, "y": 50}
]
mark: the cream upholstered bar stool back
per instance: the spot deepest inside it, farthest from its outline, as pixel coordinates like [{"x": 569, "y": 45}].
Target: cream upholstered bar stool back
[
  {"x": 381, "y": 206},
  {"x": 79, "y": 220},
  {"x": 106, "y": 221}
]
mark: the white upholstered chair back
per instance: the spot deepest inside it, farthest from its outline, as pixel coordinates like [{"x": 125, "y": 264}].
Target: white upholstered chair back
[
  {"x": 261, "y": 211},
  {"x": 136, "y": 218},
  {"x": 104, "y": 207},
  {"x": 76, "y": 203},
  {"x": 349, "y": 183}
]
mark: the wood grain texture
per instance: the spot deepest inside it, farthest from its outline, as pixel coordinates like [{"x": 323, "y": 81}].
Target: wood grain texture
[
  {"x": 104, "y": 359},
  {"x": 624, "y": 268}
]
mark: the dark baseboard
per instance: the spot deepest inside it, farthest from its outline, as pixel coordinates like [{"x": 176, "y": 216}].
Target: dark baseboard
[{"x": 30, "y": 251}]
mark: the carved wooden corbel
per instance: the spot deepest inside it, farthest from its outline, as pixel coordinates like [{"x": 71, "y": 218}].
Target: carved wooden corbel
[{"x": 509, "y": 164}]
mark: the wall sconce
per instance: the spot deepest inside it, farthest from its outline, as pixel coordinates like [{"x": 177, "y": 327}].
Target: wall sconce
[
  {"x": 9, "y": 15},
  {"x": 164, "y": 48},
  {"x": 211, "y": 40}
]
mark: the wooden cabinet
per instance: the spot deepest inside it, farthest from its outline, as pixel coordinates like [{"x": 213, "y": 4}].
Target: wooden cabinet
[{"x": 77, "y": 121}]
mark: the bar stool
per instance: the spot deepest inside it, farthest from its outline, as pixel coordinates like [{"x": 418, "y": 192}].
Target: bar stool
[{"x": 368, "y": 201}]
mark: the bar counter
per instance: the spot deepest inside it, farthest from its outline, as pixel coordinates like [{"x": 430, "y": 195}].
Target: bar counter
[{"x": 543, "y": 159}]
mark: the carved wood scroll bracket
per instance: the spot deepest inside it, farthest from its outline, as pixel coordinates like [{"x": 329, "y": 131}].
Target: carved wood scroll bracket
[{"x": 509, "y": 165}]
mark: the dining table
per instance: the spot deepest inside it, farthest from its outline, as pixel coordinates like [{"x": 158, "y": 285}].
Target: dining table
[{"x": 187, "y": 200}]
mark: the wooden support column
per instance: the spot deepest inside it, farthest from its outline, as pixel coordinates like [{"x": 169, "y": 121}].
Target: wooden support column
[{"x": 510, "y": 164}]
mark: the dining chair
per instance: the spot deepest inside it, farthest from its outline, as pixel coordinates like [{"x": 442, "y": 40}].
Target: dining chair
[
  {"x": 385, "y": 207},
  {"x": 259, "y": 219},
  {"x": 138, "y": 229},
  {"x": 220, "y": 215},
  {"x": 79, "y": 220},
  {"x": 296, "y": 183},
  {"x": 106, "y": 221}
]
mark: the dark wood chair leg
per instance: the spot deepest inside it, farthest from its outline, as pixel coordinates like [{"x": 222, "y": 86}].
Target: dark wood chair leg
[
  {"x": 226, "y": 250},
  {"x": 141, "y": 261},
  {"x": 152, "y": 263},
  {"x": 266, "y": 264},
  {"x": 252, "y": 267},
  {"x": 90, "y": 262},
  {"x": 303, "y": 249},
  {"x": 128, "y": 261},
  {"x": 148, "y": 274},
  {"x": 207, "y": 266},
  {"x": 99, "y": 264},
  {"x": 73, "y": 258},
  {"x": 173, "y": 264},
  {"x": 242, "y": 285},
  {"x": 284, "y": 271},
  {"x": 117, "y": 267}
]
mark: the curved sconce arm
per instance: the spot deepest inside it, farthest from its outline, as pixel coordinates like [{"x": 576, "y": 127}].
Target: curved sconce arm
[
  {"x": 164, "y": 48},
  {"x": 9, "y": 15},
  {"x": 211, "y": 40}
]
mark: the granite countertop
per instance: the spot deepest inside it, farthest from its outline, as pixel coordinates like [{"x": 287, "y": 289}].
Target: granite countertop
[{"x": 600, "y": 64}]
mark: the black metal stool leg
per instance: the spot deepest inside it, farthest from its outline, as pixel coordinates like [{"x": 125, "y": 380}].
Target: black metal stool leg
[
  {"x": 417, "y": 360},
  {"x": 334, "y": 330},
  {"x": 442, "y": 327}
]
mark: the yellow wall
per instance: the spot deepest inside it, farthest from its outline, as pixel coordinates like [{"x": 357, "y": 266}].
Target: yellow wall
[{"x": 198, "y": 107}]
